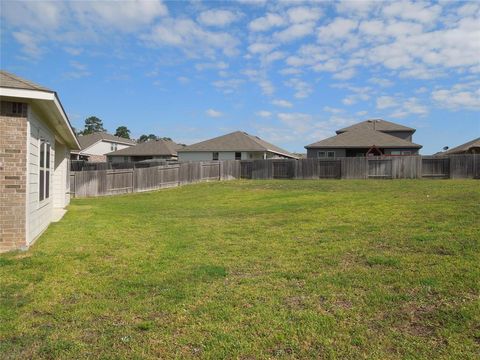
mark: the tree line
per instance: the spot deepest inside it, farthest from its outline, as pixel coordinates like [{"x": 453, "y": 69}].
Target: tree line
[{"x": 95, "y": 125}]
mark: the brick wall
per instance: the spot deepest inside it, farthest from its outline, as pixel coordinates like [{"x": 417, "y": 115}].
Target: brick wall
[{"x": 13, "y": 180}]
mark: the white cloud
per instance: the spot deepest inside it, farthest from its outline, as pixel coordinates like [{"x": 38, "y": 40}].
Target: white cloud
[
  {"x": 191, "y": 38},
  {"x": 29, "y": 43},
  {"x": 266, "y": 86},
  {"x": 384, "y": 102},
  {"x": 302, "y": 14},
  {"x": 78, "y": 71},
  {"x": 263, "y": 113},
  {"x": 213, "y": 113},
  {"x": 220, "y": 65},
  {"x": 266, "y": 22},
  {"x": 218, "y": 17},
  {"x": 295, "y": 31},
  {"x": 302, "y": 88},
  {"x": 457, "y": 97},
  {"x": 417, "y": 11},
  {"x": 25, "y": 14},
  {"x": 332, "y": 110},
  {"x": 408, "y": 107},
  {"x": 261, "y": 47},
  {"x": 381, "y": 82},
  {"x": 126, "y": 16},
  {"x": 282, "y": 103},
  {"x": 337, "y": 29},
  {"x": 345, "y": 74},
  {"x": 228, "y": 86},
  {"x": 298, "y": 121}
]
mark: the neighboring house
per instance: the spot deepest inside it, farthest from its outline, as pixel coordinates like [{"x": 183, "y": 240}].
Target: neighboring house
[
  {"x": 471, "y": 147},
  {"x": 367, "y": 138},
  {"x": 234, "y": 146},
  {"x": 149, "y": 150},
  {"x": 94, "y": 147},
  {"x": 35, "y": 143}
]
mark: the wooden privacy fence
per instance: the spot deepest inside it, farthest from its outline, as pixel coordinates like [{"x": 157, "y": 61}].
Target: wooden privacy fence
[
  {"x": 386, "y": 167},
  {"x": 109, "y": 182}
]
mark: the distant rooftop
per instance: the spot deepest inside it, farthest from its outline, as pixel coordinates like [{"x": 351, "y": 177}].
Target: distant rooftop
[
  {"x": 237, "y": 141},
  {"x": 150, "y": 148},
  {"x": 377, "y": 124},
  {"x": 88, "y": 140},
  {"x": 363, "y": 138}
]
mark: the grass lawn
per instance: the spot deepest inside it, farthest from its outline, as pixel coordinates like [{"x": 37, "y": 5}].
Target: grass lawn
[{"x": 253, "y": 269}]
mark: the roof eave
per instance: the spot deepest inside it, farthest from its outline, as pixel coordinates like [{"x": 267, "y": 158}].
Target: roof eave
[{"x": 51, "y": 100}]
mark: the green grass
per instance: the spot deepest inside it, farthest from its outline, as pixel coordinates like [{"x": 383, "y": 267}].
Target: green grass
[{"x": 253, "y": 269}]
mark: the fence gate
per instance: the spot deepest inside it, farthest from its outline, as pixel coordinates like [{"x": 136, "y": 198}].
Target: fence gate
[
  {"x": 283, "y": 169},
  {"x": 330, "y": 169},
  {"x": 246, "y": 168},
  {"x": 380, "y": 168},
  {"x": 436, "y": 167}
]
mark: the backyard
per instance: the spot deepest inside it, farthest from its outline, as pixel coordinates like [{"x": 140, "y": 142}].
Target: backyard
[{"x": 253, "y": 269}]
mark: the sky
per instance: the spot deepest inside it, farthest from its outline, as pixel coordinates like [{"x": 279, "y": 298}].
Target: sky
[{"x": 291, "y": 72}]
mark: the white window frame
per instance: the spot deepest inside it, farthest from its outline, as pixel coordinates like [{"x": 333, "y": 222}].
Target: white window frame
[
  {"x": 330, "y": 153},
  {"x": 113, "y": 146},
  {"x": 46, "y": 169},
  {"x": 321, "y": 152}
]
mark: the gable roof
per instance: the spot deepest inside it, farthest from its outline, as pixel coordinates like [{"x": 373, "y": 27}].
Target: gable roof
[
  {"x": 377, "y": 124},
  {"x": 150, "y": 148},
  {"x": 237, "y": 141},
  {"x": 46, "y": 101},
  {"x": 90, "y": 139},
  {"x": 363, "y": 138},
  {"x": 463, "y": 148},
  {"x": 8, "y": 80}
]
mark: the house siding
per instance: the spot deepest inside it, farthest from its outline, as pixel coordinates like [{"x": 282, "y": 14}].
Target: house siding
[
  {"x": 102, "y": 148},
  {"x": 39, "y": 214},
  {"x": 13, "y": 180}
]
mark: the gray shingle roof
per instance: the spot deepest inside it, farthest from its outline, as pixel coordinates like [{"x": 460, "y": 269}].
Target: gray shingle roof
[
  {"x": 150, "y": 148},
  {"x": 463, "y": 148},
  {"x": 363, "y": 138},
  {"x": 377, "y": 124},
  {"x": 237, "y": 141},
  {"x": 88, "y": 140},
  {"x": 8, "y": 80}
]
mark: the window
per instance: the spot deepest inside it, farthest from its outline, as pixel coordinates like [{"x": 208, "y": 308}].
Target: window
[
  {"x": 44, "y": 172},
  {"x": 238, "y": 156},
  {"x": 406, "y": 153},
  {"x": 18, "y": 109},
  {"x": 331, "y": 154},
  {"x": 215, "y": 155},
  {"x": 321, "y": 154},
  {"x": 395, "y": 152},
  {"x": 113, "y": 147}
]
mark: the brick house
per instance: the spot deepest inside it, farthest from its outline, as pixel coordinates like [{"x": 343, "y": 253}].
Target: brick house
[{"x": 35, "y": 142}]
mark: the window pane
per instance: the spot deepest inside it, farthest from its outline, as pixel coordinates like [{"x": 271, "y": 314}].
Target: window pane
[
  {"x": 331, "y": 154},
  {"x": 42, "y": 153},
  {"x": 47, "y": 158},
  {"x": 47, "y": 184},
  {"x": 215, "y": 156},
  {"x": 41, "y": 186},
  {"x": 238, "y": 156}
]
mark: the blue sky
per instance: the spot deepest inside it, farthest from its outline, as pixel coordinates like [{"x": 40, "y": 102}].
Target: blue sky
[{"x": 291, "y": 72}]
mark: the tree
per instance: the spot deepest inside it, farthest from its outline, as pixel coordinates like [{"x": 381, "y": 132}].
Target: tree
[
  {"x": 149, "y": 137},
  {"x": 123, "y": 132},
  {"x": 144, "y": 138},
  {"x": 92, "y": 125}
]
